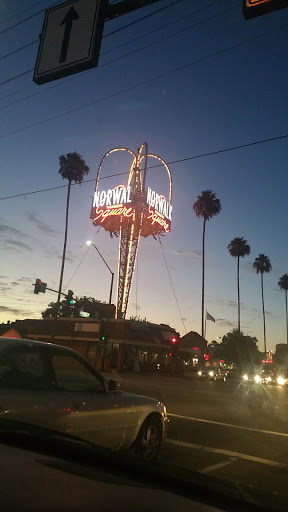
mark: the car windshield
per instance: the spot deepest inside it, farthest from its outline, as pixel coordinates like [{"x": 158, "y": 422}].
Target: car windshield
[{"x": 145, "y": 311}]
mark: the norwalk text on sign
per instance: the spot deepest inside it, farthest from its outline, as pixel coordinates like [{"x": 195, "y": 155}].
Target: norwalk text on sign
[
  {"x": 159, "y": 203},
  {"x": 116, "y": 196}
]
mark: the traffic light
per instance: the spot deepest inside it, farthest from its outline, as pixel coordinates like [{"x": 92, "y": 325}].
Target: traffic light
[
  {"x": 103, "y": 332},
  {"x": 39, "y": 286},
  {"x": 173, "y": 345},
  {"x": 69, "y": 297}
]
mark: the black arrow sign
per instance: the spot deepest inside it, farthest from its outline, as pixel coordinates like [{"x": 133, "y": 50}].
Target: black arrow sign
[{"x": 71, "y": 16}]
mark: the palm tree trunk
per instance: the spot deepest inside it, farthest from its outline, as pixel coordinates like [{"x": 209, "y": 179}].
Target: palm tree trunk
[
  {"x": 286, "y": 315},
  {"x": 263, "y": 309},
  {"x": 64, "y": 247},
  {"x": 203, "y": 275},
  {"x": 238, "y": 290}
]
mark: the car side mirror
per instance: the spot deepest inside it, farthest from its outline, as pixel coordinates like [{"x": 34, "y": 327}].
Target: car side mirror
[{"x": 112, "y": 385}]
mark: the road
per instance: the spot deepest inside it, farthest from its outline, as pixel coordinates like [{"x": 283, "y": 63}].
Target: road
[{"x": 231, "y": 431}]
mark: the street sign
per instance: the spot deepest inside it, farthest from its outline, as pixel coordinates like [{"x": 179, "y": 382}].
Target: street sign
[
  {"x": 70, "y": 40},
  {"x": 252, "y": 8}
]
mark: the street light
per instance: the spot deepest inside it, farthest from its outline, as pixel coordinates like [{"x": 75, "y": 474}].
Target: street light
[{"x": 112, "y": 273}]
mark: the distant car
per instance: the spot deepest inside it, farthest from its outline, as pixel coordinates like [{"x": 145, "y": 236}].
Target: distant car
[
  {"x": 218, "y": 374},
  {"x": 53, "y": 387},
  {"x": 213, "y": 374},
  {"x": 252, "y": 376}
]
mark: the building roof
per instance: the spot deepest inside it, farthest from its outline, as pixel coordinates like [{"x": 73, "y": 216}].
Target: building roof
[{"x": 193, "y": 339}]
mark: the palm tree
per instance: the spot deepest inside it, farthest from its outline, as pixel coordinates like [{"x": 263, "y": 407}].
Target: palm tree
[
  {"x": 72, "y": 168},
  {"x": 283, "y": 283},
  {"x": 238, "y": 247},
  {"x": 262, "y": 264},
  {"x": 206, "y": 206}
]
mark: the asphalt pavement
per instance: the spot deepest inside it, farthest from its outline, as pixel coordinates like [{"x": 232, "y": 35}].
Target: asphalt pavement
[{"x": 233, "y": 431}]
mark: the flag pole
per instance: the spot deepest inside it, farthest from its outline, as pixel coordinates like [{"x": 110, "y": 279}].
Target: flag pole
[{"x": 205, "y": 325}]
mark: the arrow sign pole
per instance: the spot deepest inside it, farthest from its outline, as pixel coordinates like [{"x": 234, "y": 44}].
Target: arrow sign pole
[{"x": 71, "y": 16}]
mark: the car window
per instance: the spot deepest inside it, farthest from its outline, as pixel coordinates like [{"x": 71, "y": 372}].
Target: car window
[
  {"x": 22, "y": 368},
  {"x": 72, "y": 375}
]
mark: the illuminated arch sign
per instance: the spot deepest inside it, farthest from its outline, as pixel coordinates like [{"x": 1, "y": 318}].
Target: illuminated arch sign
[
  {"x": 131, "y": 211},
  {"x": 111, "y": 206}
]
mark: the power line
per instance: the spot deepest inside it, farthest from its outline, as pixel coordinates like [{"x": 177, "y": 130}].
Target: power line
[
  {"x": 80, "y": 263},
  {"x": 171, "y": 282},
  {"x": 26, "y": 19},
  {"x": 144, "y": 82},
  {"x": 21, "y": 12},
  {"x": 193, "y": 157},
  {"x": 118, "y": 58},
  {"x": 18, "y": 50},
  {"x": 109, "y": 34},
  {"x": 114, "y": 60}
]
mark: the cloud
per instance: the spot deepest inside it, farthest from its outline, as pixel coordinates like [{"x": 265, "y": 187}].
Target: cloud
[
  {"x": 16, "y": 244},
  {"x": 11, "y": 231},
  {"x": 14, "y": 311},
  {"x": 4, "y": 277},
  {"x": 224, "y": 323},
  {"x": 11, "y": 239},
  {"x": 14, "y": 283},
  {"x": 24, "y": 279},
  {"x": 40, "y": 224},
  {"x": 193, "y": 253}
]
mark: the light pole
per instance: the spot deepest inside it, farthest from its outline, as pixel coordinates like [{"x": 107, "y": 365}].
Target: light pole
[{"x": 112, "y": 273}]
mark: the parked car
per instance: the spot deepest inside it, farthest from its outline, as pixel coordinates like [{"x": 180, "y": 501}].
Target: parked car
[{"x": 53, "y": 387}]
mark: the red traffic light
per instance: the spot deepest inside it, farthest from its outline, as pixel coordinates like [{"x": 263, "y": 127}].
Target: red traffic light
[{"x": 174, "y": 340}]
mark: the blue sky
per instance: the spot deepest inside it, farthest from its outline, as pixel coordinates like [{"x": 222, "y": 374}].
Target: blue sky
[{"x": 230, "y": 90}]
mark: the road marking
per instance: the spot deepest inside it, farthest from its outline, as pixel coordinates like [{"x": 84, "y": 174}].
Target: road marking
[
  {"x": 236, "y": 455},
  {"x": 230, "y": 425},
  {"x": 214, "y": 467}
]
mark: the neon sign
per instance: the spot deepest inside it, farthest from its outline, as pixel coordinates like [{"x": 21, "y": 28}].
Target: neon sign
[
  {"x": 120, "y": 203},
  {"x": 131, "y": 212}
]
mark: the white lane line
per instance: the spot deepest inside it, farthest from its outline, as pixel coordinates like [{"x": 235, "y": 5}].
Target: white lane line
[
  {"x": 214, "y": 467},
  {"x": 236, "y": 455},
  {"x": 230, "y": 425}
]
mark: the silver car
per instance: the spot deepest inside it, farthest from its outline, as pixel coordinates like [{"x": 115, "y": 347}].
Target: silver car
[{"x": 51, "y": 386}]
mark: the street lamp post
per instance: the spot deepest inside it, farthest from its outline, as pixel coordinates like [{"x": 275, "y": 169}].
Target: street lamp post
[{"x": 112, "y": 273}]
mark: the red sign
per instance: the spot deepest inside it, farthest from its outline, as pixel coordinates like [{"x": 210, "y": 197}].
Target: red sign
[{"x": 252, "y": 8}]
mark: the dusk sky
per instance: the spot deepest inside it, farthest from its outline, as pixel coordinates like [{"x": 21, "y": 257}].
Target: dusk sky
[{"x": 192, "y": 79}]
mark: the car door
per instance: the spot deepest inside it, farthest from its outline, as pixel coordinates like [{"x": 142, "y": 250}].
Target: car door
[
  {"x": 27, "y": 393},
  {"x": 94, "y": 413}
]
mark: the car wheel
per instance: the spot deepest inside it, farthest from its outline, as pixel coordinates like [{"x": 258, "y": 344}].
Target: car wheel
[{"x": 148, "y": 441}]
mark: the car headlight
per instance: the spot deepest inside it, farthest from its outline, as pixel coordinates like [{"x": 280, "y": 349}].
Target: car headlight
[
  {"x": 200, "y": 373},
  {"x": 245, "y": 377},
  {"x": 281, "y": 381},
  {"x": 268, "y": 379},
  {"x": 257, "y": 379},
  {"x": 211, "y": 374}
]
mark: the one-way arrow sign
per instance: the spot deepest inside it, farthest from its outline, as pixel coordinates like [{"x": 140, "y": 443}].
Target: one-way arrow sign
[
  {"x": 70, "y": 40},
  {"x": 68, "y": 22}
]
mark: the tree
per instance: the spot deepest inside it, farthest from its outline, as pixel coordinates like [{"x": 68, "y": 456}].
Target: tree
[
  {"x": 262, "y": 265},
  {"x": 87, "y": 304},
  {"x": 206, "y": 206},
  {"x": 238, "y": 247},
  {"x": 72, "y": 168},
  {"x": 240, "y": 349},
  {"x": 283, "y": 284}
]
